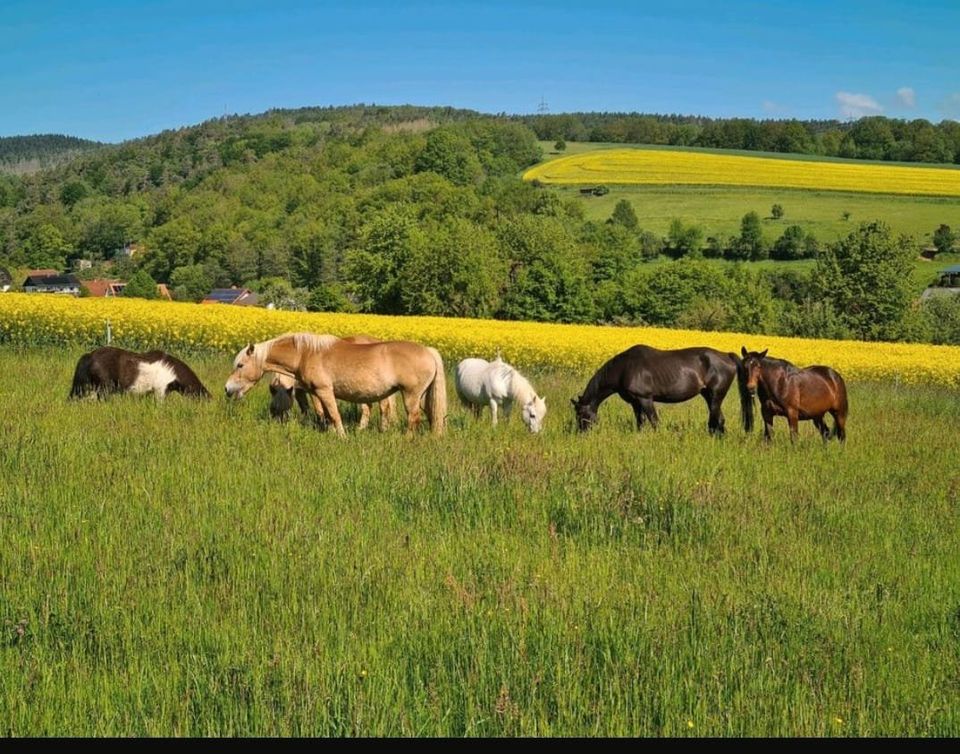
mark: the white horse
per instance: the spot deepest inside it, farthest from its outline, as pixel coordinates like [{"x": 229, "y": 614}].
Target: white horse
[{"x": 497, "y": 384}]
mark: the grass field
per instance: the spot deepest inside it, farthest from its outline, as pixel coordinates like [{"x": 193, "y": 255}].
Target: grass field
[
  {"x": 719, "y": 209},
  {"x": 185, "y": 568}
]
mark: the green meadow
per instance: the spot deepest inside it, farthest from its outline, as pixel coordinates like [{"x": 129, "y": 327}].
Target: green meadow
[
  {"x": 718, "y": 210},
  {"x": 183, "y": 568}
]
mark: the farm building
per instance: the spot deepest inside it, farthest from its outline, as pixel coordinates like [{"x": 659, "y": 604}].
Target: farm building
[
  {"x": 68, "y": 284},
  {"x": 947, "y": 283},
  {"x": 235, "y": 296},
  {"x": 100, "y": 288}
]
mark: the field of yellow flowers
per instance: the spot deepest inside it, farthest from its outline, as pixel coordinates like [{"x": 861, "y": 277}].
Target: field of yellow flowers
[
  {"x": 665, "y": 167},
  {"x": 179, "y": 327}
]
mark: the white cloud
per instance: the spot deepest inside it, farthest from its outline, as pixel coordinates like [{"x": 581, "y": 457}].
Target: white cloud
[
  {"x": 772, "y": 108},
  {"x": 857, "y": 105},
  {"x": 906, "y": 96}
]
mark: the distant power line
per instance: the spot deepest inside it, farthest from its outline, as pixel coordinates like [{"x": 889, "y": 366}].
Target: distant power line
[{"x": 543, "y": 108}]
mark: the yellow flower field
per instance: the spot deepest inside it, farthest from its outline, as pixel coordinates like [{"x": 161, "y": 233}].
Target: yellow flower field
[
  {"x": 38, "y": 319},
  {"x": 664, "y": 167}
]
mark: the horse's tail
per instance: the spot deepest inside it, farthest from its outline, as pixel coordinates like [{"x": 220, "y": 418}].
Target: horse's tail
[
  {"x": 437, "y": 395},
  {"x": 746, "y": 400},
  {"x": 840, "y": 419},
  {"x": 81, "y": 377}
]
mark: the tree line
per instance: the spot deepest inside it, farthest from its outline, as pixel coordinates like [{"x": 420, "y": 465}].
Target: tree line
[{"x": 871, "y": 138}]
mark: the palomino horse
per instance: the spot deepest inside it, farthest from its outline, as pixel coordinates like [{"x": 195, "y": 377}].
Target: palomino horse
[
  {"x": 798, "y": 394},
  {"x": 329, "y": 368},
  {"x": 496, "y": 383},
  {"x": 641, "y": 375},
  {"x": 115, "y": 370},
  {"x": 284, "y": 390}
]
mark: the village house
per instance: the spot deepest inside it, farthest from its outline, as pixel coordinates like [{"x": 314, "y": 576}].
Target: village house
[
  {"x": 68, "y": 284},
  {"x": 235, "y": 296}
]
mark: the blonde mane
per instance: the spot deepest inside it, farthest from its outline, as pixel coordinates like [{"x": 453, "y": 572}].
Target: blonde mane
[{"x": 303, "y": 341}]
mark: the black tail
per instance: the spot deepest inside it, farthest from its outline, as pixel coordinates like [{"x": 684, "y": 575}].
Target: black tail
[
  {"x": 746, "y": 400},
  {"x": 82, "y": 383}
]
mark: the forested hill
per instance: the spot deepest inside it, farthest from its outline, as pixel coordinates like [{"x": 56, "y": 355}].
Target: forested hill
[
  {"x": 410, "y": 210},
  {"x": 27, "y": 154}
]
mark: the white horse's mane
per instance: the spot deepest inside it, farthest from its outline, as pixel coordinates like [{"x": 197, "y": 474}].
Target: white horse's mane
[{"x": 520, "y": 388}]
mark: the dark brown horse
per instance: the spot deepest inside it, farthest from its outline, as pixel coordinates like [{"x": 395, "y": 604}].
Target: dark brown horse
[
  {"x": 798, "y": 394},
  {"x": 642, "y": 375}
]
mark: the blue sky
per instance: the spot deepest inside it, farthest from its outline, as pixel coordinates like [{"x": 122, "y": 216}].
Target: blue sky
[{"x": 116, "y": 70}]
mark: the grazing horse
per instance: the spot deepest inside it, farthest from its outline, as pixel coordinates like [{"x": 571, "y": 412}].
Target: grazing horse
[
  {"x": 284, "y": 390},
  {"x": 642, "y": 375},
  {"x": 329, "y": 368},
  {"x": 114, "y": 370},
  {"x": 798, "y": 394},
  {"x": 496, "y": 383}
]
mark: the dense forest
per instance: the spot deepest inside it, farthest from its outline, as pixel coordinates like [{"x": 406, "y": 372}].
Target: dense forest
[
  {"x": 873, "y": 138},
  {"x": 421, "y": 211},
  {"x": 27, "y": 154}
]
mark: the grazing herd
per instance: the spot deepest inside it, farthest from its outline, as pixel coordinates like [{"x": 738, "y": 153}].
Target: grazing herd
[{"x": 316, "y": 371}]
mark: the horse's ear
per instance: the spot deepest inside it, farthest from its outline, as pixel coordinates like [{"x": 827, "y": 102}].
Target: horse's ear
[
  {"x": 743, "y": 351},
  {"x": 544, "y": 399},
  {"x": 250, "y": 350},
  {"x": 763, "y": 354},
  {"x": 575, "y": 401}
]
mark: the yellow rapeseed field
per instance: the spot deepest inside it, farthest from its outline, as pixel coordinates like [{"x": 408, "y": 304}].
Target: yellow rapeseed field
[
  {"x": 42, "y": 319},
  {"x": 664, "y": 167}
]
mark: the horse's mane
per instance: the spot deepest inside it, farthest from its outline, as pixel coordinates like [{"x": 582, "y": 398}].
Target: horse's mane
[
  {"x": 787, "y": 365},
  {"x": 307, "y": 342}
]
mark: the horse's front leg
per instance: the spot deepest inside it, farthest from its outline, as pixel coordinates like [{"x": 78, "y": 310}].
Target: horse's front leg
[
  {"x": 650, "y": 411},
  {"x": 493, "y": 411},
  {"x": 767, "y": 423},
  {"x": 638, "y": 413},
  {"x": 364, "y": 416},
  {"x": 793, "y": 419},
  {"x": 325, "y": 402},
  {"x": 507, "y": 408}
]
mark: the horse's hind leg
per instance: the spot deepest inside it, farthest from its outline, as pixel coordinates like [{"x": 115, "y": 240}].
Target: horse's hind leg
[
  {"x": 411, "y": 401},
  {"x": 839, "y": 425},
  {"x": 364, "y": 416},
  {"x": 821, "y": 425},
  {"x": 715, "y": 420}
]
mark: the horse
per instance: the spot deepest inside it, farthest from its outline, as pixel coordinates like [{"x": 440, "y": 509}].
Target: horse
[
  {"x": 798, "y": 394},
  {"x": 284, "y": 390},
  {"x": 497, "y": 384},
  {"x": 642, "y": 375},
  {"x": 330, "y": 368},
  {"x": 115, "y": 370}
]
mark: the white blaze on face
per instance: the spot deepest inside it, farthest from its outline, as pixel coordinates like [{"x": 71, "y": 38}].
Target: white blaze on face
[{"x": 152, "y": 378}]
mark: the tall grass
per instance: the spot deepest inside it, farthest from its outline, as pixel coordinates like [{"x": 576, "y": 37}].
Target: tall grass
[{"x": 193, "y": 569}]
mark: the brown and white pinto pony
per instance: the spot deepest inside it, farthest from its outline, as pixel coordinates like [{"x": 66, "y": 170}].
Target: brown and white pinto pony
[
  {"x": 329, "y": 368},
  {"x": 115, "y": 370},
  {"x": 284, "y": 390},
  {"x": 798, "y": 394}
]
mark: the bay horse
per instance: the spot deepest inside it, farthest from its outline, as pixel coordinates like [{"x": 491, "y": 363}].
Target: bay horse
[
  {"x": 115, "y": 370},
  {"x": 284, "y": 390},
  {"x": 798, "y": 394},
  {"x": 497, "y": 384},
  {"x": 643, "y": 375},
  {"x": 330, "y": 368}
]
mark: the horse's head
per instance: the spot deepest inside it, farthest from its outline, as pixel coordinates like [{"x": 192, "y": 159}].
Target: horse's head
[
  {"x": 586, "y": 413},
  {"x": 533, "y": 413},
  {"x": 247, "y": 371},
  {"x": 752, "y": 361}
]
